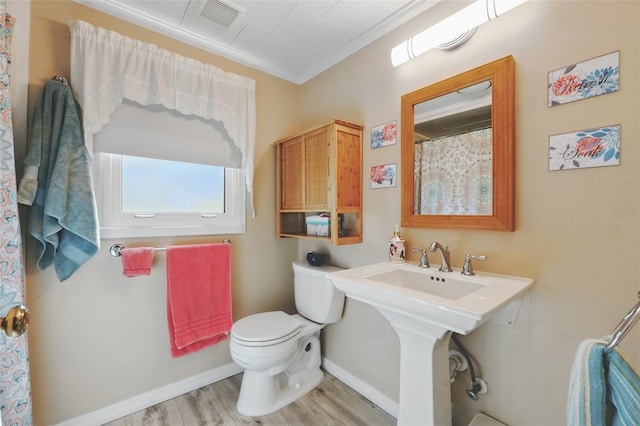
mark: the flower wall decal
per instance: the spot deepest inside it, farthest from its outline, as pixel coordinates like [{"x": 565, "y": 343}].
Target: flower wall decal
[
  {"x": 383, "y": 176},
  {"x": 587, "y": 148},
  {"x": 383, "y": 135},
  {"x": 594, "y": 77}
]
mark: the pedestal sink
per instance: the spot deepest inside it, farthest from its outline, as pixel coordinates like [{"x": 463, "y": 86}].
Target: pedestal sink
[{"x": 424, "y": 306}]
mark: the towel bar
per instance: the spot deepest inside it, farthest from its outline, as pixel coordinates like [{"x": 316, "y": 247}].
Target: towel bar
[
  {"x": 116, "y": 249},
  {"x": 623, "y": 327}
]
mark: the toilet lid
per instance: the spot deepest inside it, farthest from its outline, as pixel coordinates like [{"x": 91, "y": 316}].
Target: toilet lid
[{"x": 267, "y": 328}]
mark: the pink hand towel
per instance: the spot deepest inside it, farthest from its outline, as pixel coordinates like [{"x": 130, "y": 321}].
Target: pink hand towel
[
  {"x": 136, "y": 261},
  {"x": 198, "y": 296}
]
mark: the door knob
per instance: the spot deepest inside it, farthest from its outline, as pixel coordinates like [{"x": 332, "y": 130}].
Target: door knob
[{"x": 16, "y": 322}]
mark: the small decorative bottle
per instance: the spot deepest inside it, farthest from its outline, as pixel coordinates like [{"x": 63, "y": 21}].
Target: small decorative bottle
[{"x": 396, "y": 247}]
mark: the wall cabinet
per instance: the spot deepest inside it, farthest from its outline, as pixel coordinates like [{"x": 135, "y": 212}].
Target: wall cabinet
[{"x": 319, "y": 178}]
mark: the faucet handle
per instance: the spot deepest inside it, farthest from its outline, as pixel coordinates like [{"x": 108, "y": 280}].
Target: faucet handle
[
  {"x": 467, "y": 268},
  {"x": 424, "y": 260}
]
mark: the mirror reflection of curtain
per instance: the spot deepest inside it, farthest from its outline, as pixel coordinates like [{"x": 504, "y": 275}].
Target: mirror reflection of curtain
[
  {"x": 453, "y": 174},
  {"x": 15, "y": 392}
]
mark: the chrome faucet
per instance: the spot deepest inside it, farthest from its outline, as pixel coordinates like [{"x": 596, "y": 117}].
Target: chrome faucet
[
  {"x": 467, "y": 268},
  {"x": 445, "y": 264},
  {"x": 424, "y": 260}
]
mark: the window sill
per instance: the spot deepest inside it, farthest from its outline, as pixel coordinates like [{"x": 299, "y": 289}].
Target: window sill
[{"x": 167, "y": 231}]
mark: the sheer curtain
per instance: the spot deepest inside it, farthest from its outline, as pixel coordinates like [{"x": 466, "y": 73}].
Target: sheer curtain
[
  {"x": 454, "y": 174},
  {"x": 107, "y": 68},
  {"x": 15, "y": 387}
]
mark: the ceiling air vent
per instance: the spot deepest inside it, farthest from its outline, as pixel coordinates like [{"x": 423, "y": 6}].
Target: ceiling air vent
[{"x": 223, "y": 13}]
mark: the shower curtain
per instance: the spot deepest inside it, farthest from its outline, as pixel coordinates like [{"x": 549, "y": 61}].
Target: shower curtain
[
  {"x": 15, "y": 388},
  {"x": 453, "y": 174}
]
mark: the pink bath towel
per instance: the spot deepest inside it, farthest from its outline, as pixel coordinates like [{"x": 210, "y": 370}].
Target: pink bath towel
[
  {"x": 198, "y": 296},
  {"x": 136, "y": 261}
]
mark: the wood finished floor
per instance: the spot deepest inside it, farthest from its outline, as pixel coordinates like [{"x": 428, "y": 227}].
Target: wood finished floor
[{"x": 332, "y": 403}]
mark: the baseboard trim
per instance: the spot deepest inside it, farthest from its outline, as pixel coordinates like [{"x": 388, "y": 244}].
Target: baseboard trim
[
  {"x": 363, "y": 388},
  {"x": 164, "y": 393},
  {"x": 153, "y": 397}
]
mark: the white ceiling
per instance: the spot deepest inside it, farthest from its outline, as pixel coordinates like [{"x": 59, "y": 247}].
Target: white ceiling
[{"x": 291, "y": 39}]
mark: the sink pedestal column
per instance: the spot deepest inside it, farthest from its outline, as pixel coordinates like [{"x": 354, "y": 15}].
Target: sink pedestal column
[
  {"x": 423, "y": 311},
  {"x": 425, "y": 387}
]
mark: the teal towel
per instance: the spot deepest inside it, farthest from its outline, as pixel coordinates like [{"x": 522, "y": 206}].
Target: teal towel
[
  {"x": 63, "y": 215},
  {"x": 604, "y": 388}
]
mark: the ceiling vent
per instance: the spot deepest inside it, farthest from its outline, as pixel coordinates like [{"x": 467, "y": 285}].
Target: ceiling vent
[{"x": 223, "y": 13}]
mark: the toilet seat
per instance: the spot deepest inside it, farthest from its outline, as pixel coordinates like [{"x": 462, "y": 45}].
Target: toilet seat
[{"x": 266, "y": 328}]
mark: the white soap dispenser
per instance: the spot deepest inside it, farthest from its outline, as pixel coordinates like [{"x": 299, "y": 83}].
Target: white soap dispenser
[{"x": 396, "y": 247}]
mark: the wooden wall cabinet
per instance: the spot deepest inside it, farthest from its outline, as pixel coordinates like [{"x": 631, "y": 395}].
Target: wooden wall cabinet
[{"x": 318, "y": 172}]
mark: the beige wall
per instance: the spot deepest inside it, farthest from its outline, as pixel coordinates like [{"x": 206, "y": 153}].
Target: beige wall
[
  {"x": 99, "y": 338},
  {"x": 584, "y": 262}
]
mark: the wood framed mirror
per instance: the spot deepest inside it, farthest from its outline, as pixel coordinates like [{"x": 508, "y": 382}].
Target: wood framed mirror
[{"x": 458, "y": 151}]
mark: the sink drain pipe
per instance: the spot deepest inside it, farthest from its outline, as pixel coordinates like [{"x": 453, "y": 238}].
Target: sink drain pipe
[{"x": 478, "y": 385}]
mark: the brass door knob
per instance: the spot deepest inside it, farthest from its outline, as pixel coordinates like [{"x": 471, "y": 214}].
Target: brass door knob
[{"x": 16, "y": 322}]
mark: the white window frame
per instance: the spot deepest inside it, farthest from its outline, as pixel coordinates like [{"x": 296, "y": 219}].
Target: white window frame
[{"x": 116, "y": 224}]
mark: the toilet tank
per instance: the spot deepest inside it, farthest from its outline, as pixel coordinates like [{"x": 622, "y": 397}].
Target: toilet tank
[{"x": 317, "y": 298}]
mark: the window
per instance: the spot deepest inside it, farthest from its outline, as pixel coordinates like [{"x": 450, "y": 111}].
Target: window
[
  {"x": 171, "y": 187},
  {"x": 140, "y": 100},
  {"x": 148, "y": 197},
  {"x": 162, "y": 173}
]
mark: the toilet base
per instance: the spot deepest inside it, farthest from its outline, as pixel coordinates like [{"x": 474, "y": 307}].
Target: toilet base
[
  {"x": 268, "y": 395},
  {"x": 263, "y": 392}
]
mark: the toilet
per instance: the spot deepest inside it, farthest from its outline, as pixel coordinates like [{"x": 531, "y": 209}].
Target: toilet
[{"x": 280, "y": 353}]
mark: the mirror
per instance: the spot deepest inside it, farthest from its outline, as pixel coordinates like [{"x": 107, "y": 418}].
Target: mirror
[{"x": 458, "y": 146}]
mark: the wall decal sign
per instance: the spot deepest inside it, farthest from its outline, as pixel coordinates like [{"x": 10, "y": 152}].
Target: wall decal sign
[
  {"x": 383, "y": 135},
  {"x": 594, "y": 77},
  {"x": 588, "y": 148},
  {"x": 383, "y": 176}
]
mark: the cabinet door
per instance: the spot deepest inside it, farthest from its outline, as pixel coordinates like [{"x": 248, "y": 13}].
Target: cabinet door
[
  {"x": 292, "y": 177},
  {"x": 348, "y": 168},
  {"x": 316, "y": 167}
]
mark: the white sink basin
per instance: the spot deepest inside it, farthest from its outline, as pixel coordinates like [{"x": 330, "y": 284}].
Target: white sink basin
[
  {"x": 447, "y": 287},
  {"x": 456, "y": 302},
  {"x": 424, "y": 306}
]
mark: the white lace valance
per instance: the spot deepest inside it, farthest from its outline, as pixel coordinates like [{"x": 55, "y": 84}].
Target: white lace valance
[{"x": 107, "y": 67}]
